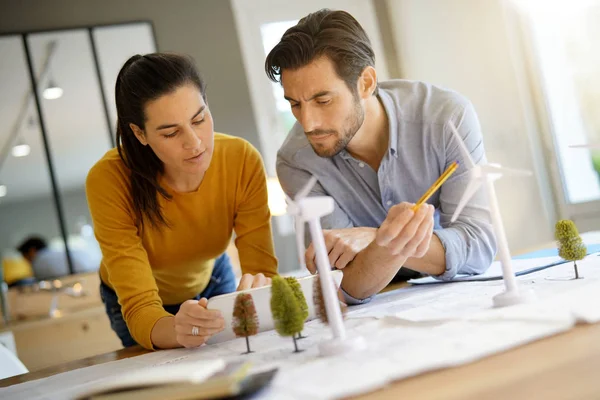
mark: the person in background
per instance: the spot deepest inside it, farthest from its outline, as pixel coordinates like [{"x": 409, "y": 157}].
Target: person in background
[
  {"x": 376, "y": 148},
  {"x": 50, "y": 263},
  {"x": 165, "y": 204}
]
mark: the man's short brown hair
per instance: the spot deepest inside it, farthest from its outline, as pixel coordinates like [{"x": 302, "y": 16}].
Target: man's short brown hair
[{"x": 334, "y": 34}]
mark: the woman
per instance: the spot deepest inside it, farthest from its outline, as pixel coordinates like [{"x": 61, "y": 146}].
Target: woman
[{"x": 165, "y": 203}]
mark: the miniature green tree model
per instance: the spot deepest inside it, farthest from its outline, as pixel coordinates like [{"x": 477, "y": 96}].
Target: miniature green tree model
[
  {"x": 297, "y": 290},
  {"x": 245, "y": 319},
  {"x": 570, "y": 245},
  {"x": 320, "y": 302},
  {"x": 288, "y": 317}
]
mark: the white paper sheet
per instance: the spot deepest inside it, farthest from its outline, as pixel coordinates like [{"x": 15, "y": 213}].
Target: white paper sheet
[
  {"x": 460, "y": 299},
  {"x": 521, "y": 266},
  {"x": 408, "y": 332},
  {"x": 494, "y": 272}
]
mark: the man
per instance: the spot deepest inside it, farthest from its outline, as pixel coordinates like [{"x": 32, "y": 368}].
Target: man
[
  {"x": 376, "y": 148},
  {"x": 49, "y": 264}
]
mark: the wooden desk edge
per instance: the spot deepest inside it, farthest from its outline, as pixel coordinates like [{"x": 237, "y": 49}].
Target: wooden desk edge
[
  {"x": 70, "y": 366},
  {"x": 581, "y": 334}
]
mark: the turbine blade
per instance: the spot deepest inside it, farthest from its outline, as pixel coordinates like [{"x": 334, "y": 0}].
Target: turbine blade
[
  {"x": 462, "y": 147},
  {"x": 470, "y": 190},
  {"x": 306, "y": 189},
  {"x": 586, "y": 146},
  {"x": 509, "y": 171},
  {"x": 299, "y": 223}
]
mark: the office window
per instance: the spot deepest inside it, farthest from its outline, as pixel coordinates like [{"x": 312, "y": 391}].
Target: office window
[{"x": 565, "y": 38}]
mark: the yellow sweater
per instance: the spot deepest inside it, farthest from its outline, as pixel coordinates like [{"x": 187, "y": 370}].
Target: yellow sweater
[{"x": 149, "y": 267}]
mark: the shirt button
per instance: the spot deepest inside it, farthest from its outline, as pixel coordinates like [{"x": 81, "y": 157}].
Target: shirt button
[
  {"x": 389, "y": 202},
  {"x": 361, "y": 164}
]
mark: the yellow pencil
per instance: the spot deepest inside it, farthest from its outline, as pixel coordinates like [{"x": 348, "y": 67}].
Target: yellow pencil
[{"x": 449, "y": 171}]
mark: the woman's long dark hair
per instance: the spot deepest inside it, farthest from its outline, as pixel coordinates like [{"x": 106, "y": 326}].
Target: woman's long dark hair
[{"x": 142, "y": 79}]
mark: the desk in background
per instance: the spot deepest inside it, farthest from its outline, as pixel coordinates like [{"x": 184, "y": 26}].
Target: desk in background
[{"x": 80, "y": 328}]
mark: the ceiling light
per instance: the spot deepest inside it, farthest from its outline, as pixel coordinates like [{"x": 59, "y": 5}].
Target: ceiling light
[
  {"x": 52, "y": 92},
  {"x": 2, "y": 190},
  {"x": 21, "y": 150}
]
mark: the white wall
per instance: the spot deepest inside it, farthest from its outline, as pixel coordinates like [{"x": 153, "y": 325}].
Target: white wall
[{"x": 464, "y": 45}]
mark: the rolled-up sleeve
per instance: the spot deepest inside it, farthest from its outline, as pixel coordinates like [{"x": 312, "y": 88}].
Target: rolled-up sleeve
[
  {"x": 469, "y": 242},
  {"x": 353, "y": 301}
]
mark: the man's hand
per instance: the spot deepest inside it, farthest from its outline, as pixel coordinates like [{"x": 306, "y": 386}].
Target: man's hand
[
  {"x": 250, "y": 281},
  {"x": 405, "y": 232},
  {"x": 342, "y": 246}
]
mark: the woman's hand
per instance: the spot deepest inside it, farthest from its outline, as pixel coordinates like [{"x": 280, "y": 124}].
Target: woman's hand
[
  {"x": 250, "y": 281},
  {"x": 194, "y": 323}
]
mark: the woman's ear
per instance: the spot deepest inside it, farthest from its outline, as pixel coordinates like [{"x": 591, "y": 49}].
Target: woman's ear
[{"x": 139, "y": 134}]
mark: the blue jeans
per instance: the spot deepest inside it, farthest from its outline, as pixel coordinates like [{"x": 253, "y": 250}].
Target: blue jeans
[{"x": 222, "y": 281}]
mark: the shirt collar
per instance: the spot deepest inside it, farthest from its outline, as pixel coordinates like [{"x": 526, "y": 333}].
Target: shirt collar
[{"x": 390, "y": 110}]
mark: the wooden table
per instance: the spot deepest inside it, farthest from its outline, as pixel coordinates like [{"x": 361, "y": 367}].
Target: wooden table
[
  {"x": 565, "y": 366},
  {"x": 559, "y": 367}
]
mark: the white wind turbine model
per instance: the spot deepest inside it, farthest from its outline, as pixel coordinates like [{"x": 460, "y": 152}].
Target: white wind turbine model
[
  {"x": 486, "y": 174},
  {"x": 311, "y": 209}
]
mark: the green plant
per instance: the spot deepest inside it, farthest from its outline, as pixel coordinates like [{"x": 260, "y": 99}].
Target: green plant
[
  {"x": 570, "y": 244},
  {"x": 245, "y": 319},
  {"x": 286, "y": 311},
  {"x": 596, "y": 161},
  {"x": 297, "y": 290},
  {"x": 319, "y": 301}
]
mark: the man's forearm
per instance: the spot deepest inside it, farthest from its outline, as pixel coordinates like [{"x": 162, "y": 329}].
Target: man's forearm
[
  {"x": 370, "y": 271},
  {"x": 432, "y": 263},
  {"x": 375, "y": 267}
]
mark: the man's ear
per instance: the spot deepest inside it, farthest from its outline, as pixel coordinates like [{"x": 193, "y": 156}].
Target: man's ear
[
  {"x": 367, "y": 82},
  {"x": 139, "y": 134}
]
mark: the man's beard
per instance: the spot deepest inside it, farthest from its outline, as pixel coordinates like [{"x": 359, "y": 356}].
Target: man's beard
[{"x": 353, "y": 124}]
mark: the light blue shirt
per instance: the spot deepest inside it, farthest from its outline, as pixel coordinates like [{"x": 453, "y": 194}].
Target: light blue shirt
[
  {"x": 421, "y": 147},
  {"x": 50, "y": 263}
]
